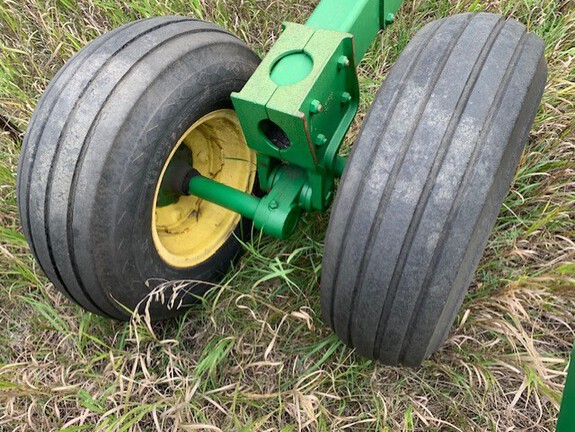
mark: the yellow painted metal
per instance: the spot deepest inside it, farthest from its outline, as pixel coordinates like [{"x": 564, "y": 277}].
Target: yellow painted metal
[{"x": 190, "y": 231}]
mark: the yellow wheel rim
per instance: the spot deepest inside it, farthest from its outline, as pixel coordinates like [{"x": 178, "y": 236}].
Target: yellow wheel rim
[{"x": 190, "y": 231}]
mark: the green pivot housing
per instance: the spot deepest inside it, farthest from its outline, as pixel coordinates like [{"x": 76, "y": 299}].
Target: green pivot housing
[{"x": 297, "y": 108}]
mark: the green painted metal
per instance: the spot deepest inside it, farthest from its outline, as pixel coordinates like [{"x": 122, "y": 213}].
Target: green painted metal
[
  {"x": 566, "y": 422},
  {"x": 361, "y": 18},
  {"x": 225, "y": 196},
  {"x": 339, "y": 165},
  {"x": 276, "y": 214},
  {"x": 296, "y": 110},
  {"x": 291, "y": 69},
  {"x": 304, "y": 109},
  {"x": 280, "y": 211},
  {"x": 388, "y": 10},
  {"x": 313, "y": 114}
]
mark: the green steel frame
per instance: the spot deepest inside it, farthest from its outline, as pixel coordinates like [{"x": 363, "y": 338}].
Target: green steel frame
[{"x": 295, "y": 111}]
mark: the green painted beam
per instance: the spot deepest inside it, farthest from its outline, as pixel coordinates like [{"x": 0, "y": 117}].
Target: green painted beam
[
  {"x": 566, "y": 422},
  {"x": 361, "y": 18},
  {"x": 339, "y": 165}
]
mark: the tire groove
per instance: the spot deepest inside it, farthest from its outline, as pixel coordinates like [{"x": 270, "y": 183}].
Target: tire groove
[
  {"x": 62, "y": 133},
  {"x": 456, "y": 205},
  {"x": 438, "y": 162},
  {"x": 390, "y": 184},
  {"x": 24, "y": 186},
  {"x": 84, "y": 149},
  {"x": 363, "y": 182},
  {"x": 89, "y": 50}
]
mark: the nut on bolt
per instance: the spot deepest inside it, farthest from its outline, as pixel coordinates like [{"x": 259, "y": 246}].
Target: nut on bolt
[
  {"x": 315, "y": 106},
  {"x": 345, "y": 98},
  {"x": 273, "y": 205},
  {"x": 343, "y": 62},
  {"x": 320, "y": 140}
]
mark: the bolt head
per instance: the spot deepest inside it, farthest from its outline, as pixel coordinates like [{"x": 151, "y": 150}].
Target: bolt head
[
  {"x": 389, "y": 18},
  {"x": 315, "y": 106},
  {"x": 321, "y": 139},
  {"x": 273, "y": 205},
  {"x": 346, "y": 98}
]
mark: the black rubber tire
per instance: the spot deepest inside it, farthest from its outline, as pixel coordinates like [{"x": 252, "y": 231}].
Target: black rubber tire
[
  {"x": 425, "y": 182},
  {"x": 94, "y": 150}
]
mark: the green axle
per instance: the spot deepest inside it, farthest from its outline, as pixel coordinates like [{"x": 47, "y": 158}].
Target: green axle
[
  {"x": 295, "y": 112},
  {"x": 278, "y": 213}
]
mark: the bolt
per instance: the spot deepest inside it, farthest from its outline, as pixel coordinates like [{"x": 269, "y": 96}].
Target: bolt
[
  {"x": 389, "y": 18},
  {"x": 345, "y": 98},
  {"x": 342, "y": 62},
  {"x": 315, "y": 106},
  {"x": 273, "y": 205},
  {"x": 321, "y": 140}
]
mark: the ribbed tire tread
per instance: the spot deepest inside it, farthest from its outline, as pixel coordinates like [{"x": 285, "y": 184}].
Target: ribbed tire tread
[
  {"x": 72, "y": 198},
  {"x": 425, "y": 182}
]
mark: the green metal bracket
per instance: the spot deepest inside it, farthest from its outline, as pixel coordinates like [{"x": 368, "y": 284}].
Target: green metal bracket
[
  {"x": 311, "y": 115},
  {"x": 388, "y": 10},
  {"x": 301, "y": 101},
  {"x": 296, "y": 109},
  {"x": 280, "y": 211},
  {"x": 303, "y": 109}
]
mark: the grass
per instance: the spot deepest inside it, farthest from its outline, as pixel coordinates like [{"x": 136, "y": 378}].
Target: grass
[{"x": 256, "y": 355}]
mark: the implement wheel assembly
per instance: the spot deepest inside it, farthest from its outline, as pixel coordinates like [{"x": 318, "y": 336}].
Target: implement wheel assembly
[{"x": 160, "y": 146}]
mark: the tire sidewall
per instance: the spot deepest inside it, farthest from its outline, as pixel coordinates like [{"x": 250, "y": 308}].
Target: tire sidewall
[{"x": 154, "y": 131}]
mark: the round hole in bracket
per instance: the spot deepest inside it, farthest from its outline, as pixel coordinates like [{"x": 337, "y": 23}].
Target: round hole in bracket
[
  {"x": 291, "y": 68},
  {"x": 275, "y": 134}
]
